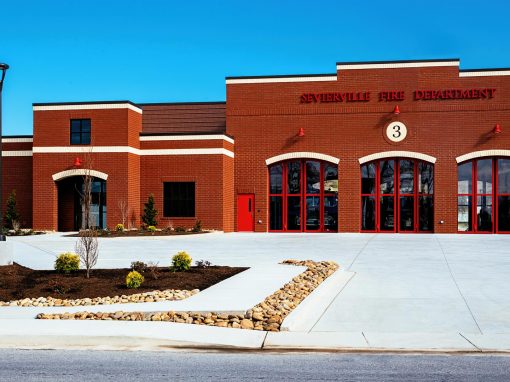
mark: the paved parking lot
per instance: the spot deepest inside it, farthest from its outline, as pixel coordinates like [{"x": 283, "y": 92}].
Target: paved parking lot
[{"x": 403, "y": 283}]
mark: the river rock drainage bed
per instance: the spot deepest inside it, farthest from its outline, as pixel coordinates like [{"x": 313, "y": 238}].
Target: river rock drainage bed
[
  {"x": 155, "y": 296},
  {"x": 268, "y": 315}
]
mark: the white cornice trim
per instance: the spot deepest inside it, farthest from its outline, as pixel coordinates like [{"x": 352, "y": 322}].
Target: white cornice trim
[
  {"x": 131, "y": 150},
  {"x": 17, "y": 140},
  {"x": 264, "y": 80},
  {"x": 302, "y": 155},
  {"x": 88, "y": 106},
  {"x": 483, "y": 153},
  {"x": 485, "y": 73},
  {"x": 17, "y": 153},
  {"x": 153, "y": 138},
  {"x": 396, "y": 65},
  {"x": 79, "y": 172},
  {"x": 400, "y": 154}
]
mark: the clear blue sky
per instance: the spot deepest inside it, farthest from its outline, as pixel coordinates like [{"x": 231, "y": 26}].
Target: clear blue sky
[{"x": 173, "y": 51}]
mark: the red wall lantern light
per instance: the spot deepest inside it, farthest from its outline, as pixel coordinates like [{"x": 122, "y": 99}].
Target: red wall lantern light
[
  {"x": 497, "y": 129},
  {"x": 77, "y": 162},
  {"x": 301, "y": 132}
]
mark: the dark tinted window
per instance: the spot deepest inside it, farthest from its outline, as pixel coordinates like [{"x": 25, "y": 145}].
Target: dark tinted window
[
  {"x": 368, "y": 178},
  {"x": 179, "y": 199},
  {"x": 275, "y": 179},
  {"x": 80, "y": 131}
]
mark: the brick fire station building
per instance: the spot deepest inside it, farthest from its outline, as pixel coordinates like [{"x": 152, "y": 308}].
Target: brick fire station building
[{"x": 403, "y": 146}]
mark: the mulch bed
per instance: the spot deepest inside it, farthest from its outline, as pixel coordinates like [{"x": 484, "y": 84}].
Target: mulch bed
[
  {"x": 137, "y": 233},
  {"x": 18, "y": 282}
]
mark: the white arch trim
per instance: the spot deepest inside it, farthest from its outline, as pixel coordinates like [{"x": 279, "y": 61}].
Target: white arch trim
[
  {"x": 79, "y": 172},
  {"x": 401, "y": 154},
  {"x": 483, "y": 153},
  {"x": 304, "y": 155}
]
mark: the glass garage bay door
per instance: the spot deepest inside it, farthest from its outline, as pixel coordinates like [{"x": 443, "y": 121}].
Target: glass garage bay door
[
  {"x": 303, "y": 196},
  {"x": 397, "y": 196},
  {"x": 483, "y": 196}
]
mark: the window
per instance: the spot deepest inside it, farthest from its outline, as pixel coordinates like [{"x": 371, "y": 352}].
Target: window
[
  {"x": 80, "y": 131},
  {"x": 178, "y": 199}
]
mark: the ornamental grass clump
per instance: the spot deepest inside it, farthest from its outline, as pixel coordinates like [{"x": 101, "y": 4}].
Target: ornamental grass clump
[
  {"x": 67, "y": 262},
  {"x": 119, "y": 228},
  {"x": 134, "y": 280},
  {"x": 151, "y": 228},
  {"x": 181, "y": 262},
  {"x": 139, "y": 266}
]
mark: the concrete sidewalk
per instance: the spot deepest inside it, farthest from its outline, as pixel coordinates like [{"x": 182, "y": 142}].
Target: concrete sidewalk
[{"x": 401, "y": 292}]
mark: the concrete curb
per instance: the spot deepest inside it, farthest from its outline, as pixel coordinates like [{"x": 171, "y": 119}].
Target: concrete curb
[
  {"x": 125, "y": 335},
  {"x": 156, "y": 336},
  {"x": 388, "y": 342},
  {"x": 309, "y": 311}
]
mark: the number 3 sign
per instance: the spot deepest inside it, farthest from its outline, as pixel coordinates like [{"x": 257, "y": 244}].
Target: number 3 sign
[{"x": 396, "y": 131}]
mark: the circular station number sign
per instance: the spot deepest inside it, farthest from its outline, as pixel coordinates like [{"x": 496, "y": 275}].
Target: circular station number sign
[{"x": 396, "y": 131}]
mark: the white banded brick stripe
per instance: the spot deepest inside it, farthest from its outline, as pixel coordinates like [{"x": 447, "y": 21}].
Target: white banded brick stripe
[
  {"x": 155, "y": 138},
  {"x": 207, "y": 151},
  {"x": 131, "y": 150},
  {"x": 16, "y": 153},
  {"x": 17, "y": 140}
]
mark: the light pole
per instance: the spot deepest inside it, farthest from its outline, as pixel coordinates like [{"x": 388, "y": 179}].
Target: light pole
[{"x": 3, "y": 68}]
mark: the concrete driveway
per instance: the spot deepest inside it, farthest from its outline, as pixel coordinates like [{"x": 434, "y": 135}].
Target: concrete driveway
[{"x": 403, "y": 283}]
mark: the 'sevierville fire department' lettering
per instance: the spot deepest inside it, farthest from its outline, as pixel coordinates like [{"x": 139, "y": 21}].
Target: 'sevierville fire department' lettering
[
  {"x": 454, "y": 94},
  {"x": 392, "y": 96},
  {"x": 335, "y": 97}
]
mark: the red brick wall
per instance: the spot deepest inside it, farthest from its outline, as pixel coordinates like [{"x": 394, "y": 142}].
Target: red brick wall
[
  {"x": 122, "y": 184},
  {"x": 264, "y": 120},
  {"x": 228, "y": 194},
  {"x": 207, "y": 173},
  {"x": 110, "y": 127},
  {"x": 17, "y": 175}
]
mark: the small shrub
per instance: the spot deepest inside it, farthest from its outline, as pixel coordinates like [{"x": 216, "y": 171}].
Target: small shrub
[
  {"x": 57, "y": 287},
  {"x": 202, "y": 263},
  {"x": 180, "y": 229},
  {"x": 197, "y": 227},
  {"x": 181, "y": 262},
  {"x": 138, "y": 266},
  {"x": 67, "y": 262},
  {"x": 16, "y": 226},
  {"x": 149, "y": 212},
  {"x": 153, "y": 269},
  {"x": 119, "y": 228},
  {"x": 151, "y": 228},
  {"x": 11, "y": 212},
  {"x": 134, "y": 280}
]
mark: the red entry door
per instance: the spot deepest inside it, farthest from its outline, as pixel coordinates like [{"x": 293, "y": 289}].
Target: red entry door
[{"x": 245, "y": 215}]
